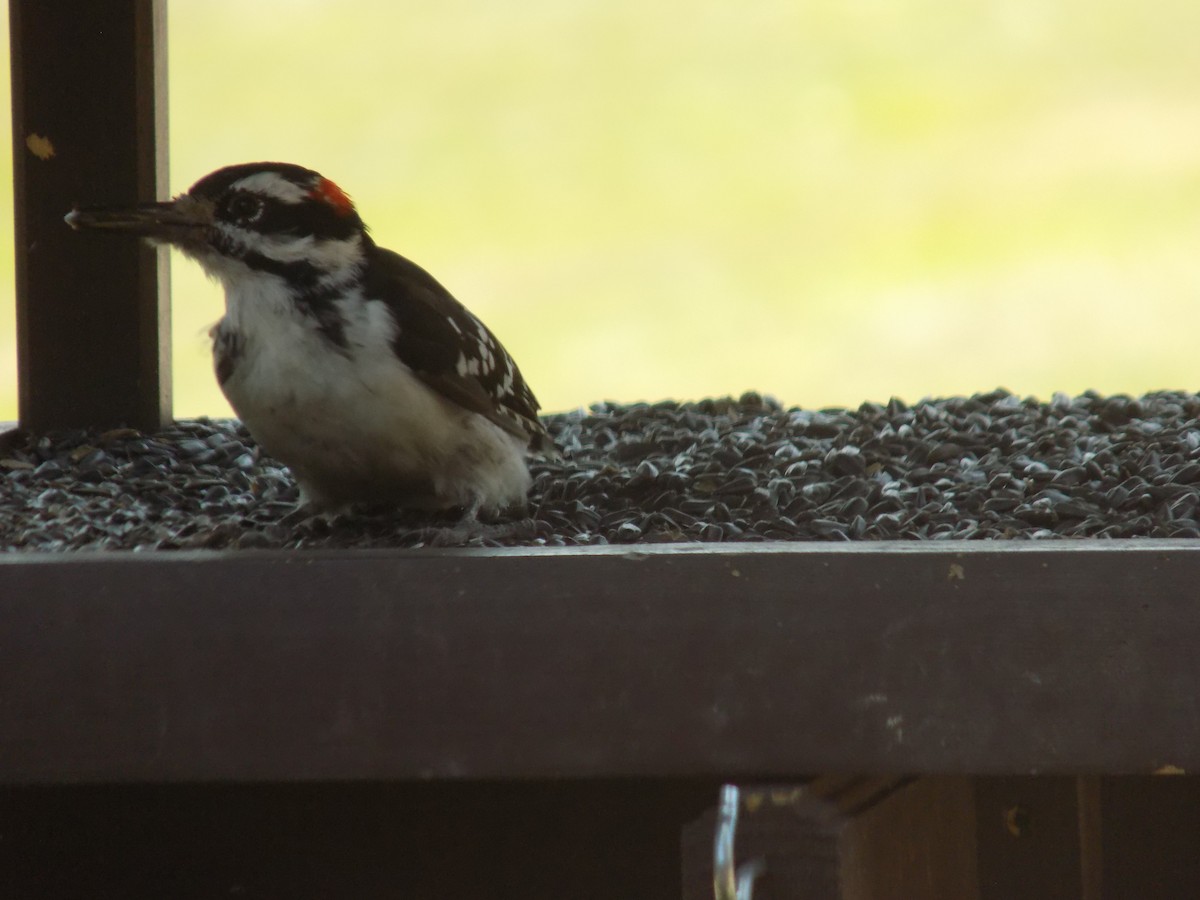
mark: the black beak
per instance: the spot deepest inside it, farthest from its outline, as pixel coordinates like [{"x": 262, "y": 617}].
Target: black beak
[{"x": 165, "y": 221}]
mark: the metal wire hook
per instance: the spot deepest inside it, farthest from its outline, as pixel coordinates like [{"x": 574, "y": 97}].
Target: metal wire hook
[{"x": 730, "y": 881}]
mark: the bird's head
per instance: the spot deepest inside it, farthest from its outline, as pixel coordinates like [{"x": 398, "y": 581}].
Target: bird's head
[{"x": 268, "y": 217}]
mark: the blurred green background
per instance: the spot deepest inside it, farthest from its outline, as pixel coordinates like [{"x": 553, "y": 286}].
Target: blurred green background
[{"x": 829, "y": 201}]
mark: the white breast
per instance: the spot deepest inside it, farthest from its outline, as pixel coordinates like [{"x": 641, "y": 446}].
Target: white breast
[{"x": 355, "y": 424}]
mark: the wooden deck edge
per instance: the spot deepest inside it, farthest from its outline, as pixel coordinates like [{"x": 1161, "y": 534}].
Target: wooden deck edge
[{"x": 737, "y": 661}]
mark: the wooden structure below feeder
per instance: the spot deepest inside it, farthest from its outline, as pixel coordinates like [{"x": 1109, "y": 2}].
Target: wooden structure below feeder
[{"x": 578, "y": 708}]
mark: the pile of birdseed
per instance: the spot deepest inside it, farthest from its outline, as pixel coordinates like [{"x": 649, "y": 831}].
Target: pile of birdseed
[{"x": 989, "y": 466}]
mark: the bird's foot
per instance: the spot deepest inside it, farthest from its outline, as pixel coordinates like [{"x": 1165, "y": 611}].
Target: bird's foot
[
  {"x": 479, "y": 528},
  {"x": 478, "y": 534},
  {"x": 307, "y": 515}
]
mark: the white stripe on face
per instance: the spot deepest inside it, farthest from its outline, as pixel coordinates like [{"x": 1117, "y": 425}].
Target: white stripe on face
[
  {"x": 271, "y": 184},
  {"x": 329, "y": 255}
]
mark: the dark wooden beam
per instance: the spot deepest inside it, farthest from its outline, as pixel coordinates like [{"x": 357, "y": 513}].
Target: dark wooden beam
[
  {"x": 89, "y": 126},
  {"x": 741, "y": 662},
  {"x": 606, "y": 840}
]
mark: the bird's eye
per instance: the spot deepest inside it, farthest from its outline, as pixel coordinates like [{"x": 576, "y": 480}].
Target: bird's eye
[{"x": 244, "y": 207}]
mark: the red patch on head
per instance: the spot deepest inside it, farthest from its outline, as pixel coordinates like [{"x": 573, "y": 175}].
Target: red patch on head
[{"x": 333, "y": 195}]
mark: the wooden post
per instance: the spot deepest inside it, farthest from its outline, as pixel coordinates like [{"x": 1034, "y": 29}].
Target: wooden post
[
  {"x": 89, "y": 127},
  {"x": 1030, "y": 837}
]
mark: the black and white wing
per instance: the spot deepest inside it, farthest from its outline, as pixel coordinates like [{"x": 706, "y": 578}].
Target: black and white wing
[{"x": 453, "y": 352}]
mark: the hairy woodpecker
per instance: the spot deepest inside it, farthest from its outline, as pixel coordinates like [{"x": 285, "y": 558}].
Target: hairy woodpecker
[{"x": 345, "y": 361}]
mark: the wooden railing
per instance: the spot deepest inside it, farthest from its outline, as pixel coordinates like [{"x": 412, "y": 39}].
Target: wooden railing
[{"x": 577, "y": 709}]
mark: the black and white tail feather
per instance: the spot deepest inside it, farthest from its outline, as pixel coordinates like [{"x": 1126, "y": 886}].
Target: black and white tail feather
[{"x": 346, "y": 361}]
